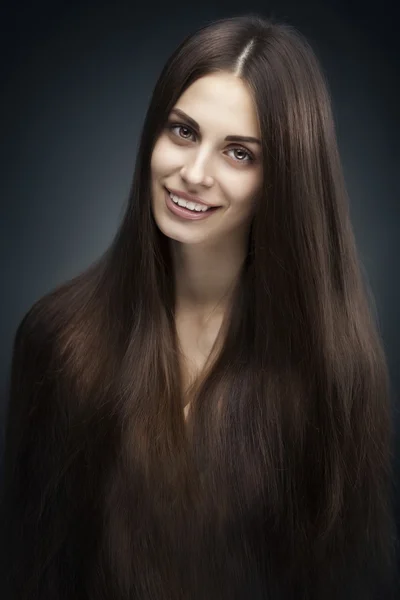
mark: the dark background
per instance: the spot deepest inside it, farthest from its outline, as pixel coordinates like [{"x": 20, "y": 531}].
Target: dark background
[{"x": 76, "y": 79}]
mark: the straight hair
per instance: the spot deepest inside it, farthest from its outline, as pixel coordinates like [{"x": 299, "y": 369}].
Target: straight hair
[{"x": 281, "y": 474}]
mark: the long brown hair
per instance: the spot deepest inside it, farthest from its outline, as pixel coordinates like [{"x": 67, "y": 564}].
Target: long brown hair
[{"x": 281, "y": 475}]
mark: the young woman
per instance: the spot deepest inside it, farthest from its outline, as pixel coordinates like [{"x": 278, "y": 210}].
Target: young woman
[{"x": 204, "y": 413}]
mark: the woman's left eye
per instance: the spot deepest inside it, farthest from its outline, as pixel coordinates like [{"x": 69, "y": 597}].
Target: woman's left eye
[{"x": 250, "y": 157}]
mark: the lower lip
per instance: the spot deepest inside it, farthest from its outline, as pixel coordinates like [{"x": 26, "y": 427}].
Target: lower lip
[{"x": 185, "y": 213}]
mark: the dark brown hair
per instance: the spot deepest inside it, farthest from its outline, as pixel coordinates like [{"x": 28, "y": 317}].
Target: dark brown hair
[{"x": 281, "y": 476}]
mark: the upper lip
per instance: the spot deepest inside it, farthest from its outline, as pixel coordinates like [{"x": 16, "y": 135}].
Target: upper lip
[{"x": 190, "y": 197}]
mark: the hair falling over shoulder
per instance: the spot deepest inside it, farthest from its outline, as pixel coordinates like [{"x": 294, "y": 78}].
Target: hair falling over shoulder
[{"x": 282, "y": 472}]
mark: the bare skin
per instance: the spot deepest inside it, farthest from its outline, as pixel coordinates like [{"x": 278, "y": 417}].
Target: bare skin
[
  {"x": 225, "y": 173},
  {"x": 196, "y": 343}
]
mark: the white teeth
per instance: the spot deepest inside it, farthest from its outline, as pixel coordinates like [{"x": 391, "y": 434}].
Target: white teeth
[{"x": 190, "y": 205}]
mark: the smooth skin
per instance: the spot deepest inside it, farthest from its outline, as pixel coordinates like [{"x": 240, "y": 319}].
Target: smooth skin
[{"x": 209, "y": 253}]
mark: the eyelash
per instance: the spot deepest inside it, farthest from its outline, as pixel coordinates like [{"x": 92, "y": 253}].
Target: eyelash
[{"x": 251, "y": 158}]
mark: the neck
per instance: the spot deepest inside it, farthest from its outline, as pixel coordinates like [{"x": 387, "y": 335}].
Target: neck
[{"x": 205, "y": 277}]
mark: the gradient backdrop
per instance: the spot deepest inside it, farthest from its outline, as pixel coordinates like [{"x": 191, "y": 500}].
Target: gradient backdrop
[{"x": 75, "y": 84}]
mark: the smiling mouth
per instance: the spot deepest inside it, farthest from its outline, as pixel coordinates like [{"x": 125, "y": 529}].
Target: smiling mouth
[
  {"x": 206, "y": 206},
  {"x": 186, "y": 213}
]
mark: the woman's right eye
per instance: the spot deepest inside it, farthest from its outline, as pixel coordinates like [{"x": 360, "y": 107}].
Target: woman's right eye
[{"x": 172, "y": 126}]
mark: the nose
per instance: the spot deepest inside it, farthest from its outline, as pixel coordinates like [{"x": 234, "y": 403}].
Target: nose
[{"x": 195, "y": 173}]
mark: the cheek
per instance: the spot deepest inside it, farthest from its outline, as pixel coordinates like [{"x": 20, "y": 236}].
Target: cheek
[
  {"x": 164, "y": 157},
  {"x": 157, "y": 155},
  {"x": 155, "y": 162},
  {"x": 245, "y": 206},
  {"x": 246, "y": 200}
]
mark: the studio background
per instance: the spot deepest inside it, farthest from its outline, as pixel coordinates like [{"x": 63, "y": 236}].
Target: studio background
[{"x": 76, "y": 80}]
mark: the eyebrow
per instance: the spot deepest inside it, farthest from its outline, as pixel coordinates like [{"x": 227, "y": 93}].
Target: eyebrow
[{"x": 229, "y": 138}]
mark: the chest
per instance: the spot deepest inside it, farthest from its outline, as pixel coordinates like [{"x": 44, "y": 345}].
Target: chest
[{"x": 196, "y": 345}]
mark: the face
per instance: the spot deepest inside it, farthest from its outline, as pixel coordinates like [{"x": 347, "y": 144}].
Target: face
[{"x": 193, "y": 156}]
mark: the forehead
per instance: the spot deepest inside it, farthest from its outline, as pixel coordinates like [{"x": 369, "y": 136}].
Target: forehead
[{"x": 222, "y": 100}]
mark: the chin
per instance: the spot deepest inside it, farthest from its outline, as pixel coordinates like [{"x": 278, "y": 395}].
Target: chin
[{"x": 176, "y": 234}]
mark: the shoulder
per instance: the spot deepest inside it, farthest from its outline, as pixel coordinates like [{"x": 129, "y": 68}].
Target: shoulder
[
  {"x": 38, "y": 333},
  {"x": 57, "y": 325},
  {"x": 36, "y": 369},
  {"x": 56, "y": 350},
  {"x": 38, "y": 324},
  {"x": 34, "y": 343}
]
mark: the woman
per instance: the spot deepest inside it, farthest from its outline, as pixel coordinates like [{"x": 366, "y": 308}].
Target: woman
[{"x": 204, "y": 413}]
